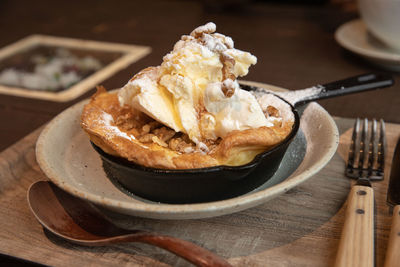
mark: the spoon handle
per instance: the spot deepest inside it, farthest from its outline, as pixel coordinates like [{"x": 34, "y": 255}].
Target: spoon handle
[
  {"x": 187, "y": 250},
  {"x": 359, "y": 83}
]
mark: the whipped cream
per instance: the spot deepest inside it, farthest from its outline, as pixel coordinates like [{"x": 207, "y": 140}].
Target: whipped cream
[{"x": 195, "y": 91}]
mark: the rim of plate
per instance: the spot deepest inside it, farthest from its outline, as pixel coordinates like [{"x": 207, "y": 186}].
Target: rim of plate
[
  {"x": 359, "y": 28},
  {"x": 202, "y": 210}
]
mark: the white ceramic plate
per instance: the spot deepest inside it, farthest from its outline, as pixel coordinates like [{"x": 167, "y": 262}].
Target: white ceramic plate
[
  {"x": 64, "y": 154},
  {"x": 355, "y": 37}
]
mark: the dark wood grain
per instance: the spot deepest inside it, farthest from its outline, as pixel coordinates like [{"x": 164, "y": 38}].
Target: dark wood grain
[
  {"x": 299, "y": 228},
  {"x": 294, "y": 45}
]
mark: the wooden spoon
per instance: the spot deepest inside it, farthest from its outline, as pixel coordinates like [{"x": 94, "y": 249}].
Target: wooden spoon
[{"x": 79, "y": 222}]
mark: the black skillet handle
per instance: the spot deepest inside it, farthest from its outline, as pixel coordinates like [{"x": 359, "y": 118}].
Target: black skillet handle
[{"x": 351, "y": 85}]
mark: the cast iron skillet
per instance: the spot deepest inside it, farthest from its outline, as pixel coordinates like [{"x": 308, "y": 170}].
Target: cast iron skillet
[{"x": 223, "y": 182}]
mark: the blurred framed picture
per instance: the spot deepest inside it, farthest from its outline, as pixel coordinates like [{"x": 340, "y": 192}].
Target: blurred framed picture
[{"x": 61, "y": 69}]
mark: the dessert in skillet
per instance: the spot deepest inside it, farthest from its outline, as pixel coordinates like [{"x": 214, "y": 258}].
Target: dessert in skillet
[{"x": 190, "y": 111}]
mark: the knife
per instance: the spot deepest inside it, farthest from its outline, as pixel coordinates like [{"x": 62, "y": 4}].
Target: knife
[{"x": 393, "y": 199}]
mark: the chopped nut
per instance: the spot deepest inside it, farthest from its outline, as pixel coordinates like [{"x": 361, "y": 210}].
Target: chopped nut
[
  {"x": 186, "y": 37},
  {"x": 273, "y": 112},
  {"x": 128, "y": 120},
  {"x": 150, "y": 126},
  {"x": 173, "y": 144},
  {"x": 178, "y": 144},
  {"x": 228, "y": 89},
  {"x": 164, "y": 133},
  {"x": 203, "y": 147},
  {"x": 146, "y": 128},
  {"x": 225, "y": 39},
  {"x": 211, "y": 144},
  {"x": 158, "y": 141},
  {"x": 228, "y": 63},
  {"x": 147, "y": 138},
  {"x": 199, "y": 31},
  {"x": 122, "y": 119}
]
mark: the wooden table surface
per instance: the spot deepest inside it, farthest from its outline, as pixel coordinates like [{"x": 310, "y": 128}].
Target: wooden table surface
[
  {"x": 294, "y": 45},
  {"x": 293, "y": 42},
  {"x": 298, "y": 228}
]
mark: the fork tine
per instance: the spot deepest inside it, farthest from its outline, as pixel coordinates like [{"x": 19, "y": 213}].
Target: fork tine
[
  {"x": 351, "y": 159},
  {"x": 363, "y": 147},
  {"x": 372, "y": 148}
]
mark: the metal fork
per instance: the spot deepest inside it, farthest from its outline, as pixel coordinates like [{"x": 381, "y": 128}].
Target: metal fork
[{"x": 365, "y": 163}]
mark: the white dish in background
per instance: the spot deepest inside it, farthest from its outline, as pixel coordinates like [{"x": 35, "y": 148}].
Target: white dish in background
[
  {"x": 355, "y": 37},
  {"x": 382, "y": 19},
  {"x": 65, "y": 155}
]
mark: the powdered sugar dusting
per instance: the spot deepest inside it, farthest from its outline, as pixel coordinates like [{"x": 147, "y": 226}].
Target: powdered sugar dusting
[
  {"x": 214, "y": 44},
  {"x": 107, "y": 119},
  {"x": 202, "y": 147},
  {"x": 268, "y": 99},
  {"x": 210, "y": 27},
  {"x": 300, "y": 95},
  {"x": 232, "y": 85},
  {"x": 226, "y": 39},
  {"x": 292, "y": 97}
]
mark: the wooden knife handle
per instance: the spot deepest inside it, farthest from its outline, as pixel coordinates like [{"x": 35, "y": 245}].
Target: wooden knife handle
[
  {"x": 356, "y": 247},
  {"x": 393, "y": 250}
]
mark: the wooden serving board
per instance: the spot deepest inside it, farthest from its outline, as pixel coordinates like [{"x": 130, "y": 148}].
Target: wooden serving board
[{"x": 299, "y": 228}]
